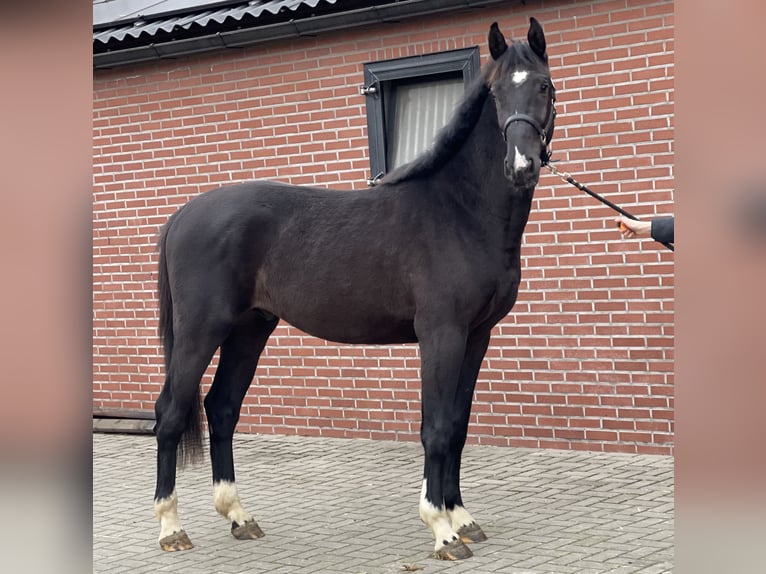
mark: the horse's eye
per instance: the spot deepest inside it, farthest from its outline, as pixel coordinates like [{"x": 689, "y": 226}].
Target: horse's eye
[{"x": 544, "y": 87}]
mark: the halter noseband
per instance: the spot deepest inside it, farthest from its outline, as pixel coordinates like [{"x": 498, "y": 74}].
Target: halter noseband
[{"x": 545, "y": 133}]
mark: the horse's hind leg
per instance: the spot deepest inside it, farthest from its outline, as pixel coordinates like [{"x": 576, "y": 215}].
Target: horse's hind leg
[
  {"x": 175, "y": 410},
  {"x": 460, "y": 519},
  {"x": 239, "y": 358}
]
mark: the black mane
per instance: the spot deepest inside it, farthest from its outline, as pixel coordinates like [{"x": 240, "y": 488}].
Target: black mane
[{"x": 451, "y": 137}]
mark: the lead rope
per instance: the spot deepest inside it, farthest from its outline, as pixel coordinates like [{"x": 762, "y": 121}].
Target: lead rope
[{"x": 569, "y": 179}]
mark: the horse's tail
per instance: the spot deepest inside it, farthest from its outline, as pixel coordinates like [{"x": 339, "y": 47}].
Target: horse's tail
[
  {"x": 190, "y": 447},
  {"x": 165, "y": 299}
]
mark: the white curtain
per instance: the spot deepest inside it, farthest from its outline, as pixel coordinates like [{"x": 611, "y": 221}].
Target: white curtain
[{"x": 421, "y": 109}]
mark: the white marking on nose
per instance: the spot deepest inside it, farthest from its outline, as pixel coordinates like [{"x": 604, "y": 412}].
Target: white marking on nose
[
  {"x": 520, "y": 162},
  {"x": 519, "y": 77}
]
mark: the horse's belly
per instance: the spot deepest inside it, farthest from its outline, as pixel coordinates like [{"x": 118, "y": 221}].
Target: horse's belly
[
  {"x": 367, "y": 313},
  {"x": 350, "y": 326}
]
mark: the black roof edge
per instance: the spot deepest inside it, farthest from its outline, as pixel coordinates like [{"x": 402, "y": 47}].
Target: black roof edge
[
  {"x": 375, "y": 14},
  {"x": 202, "y": 7}
]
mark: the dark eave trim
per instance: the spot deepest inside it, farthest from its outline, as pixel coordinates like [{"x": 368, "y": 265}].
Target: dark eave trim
[{"x": 377, "y": 14}]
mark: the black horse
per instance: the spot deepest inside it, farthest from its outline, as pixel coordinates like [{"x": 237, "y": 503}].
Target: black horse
[{"x": 430, "y": 255}]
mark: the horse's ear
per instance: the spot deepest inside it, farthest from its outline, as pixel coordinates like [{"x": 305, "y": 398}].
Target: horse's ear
[
  {"x": 497, "y": 45},
  {"x": 536, "y": 39}
]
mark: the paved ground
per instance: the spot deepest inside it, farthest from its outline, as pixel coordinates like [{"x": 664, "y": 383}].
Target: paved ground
[{"x": 336, "y": 506}]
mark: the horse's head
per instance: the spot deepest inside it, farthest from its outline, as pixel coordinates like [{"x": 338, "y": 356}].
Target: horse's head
[{"x": 521, "y": 84}]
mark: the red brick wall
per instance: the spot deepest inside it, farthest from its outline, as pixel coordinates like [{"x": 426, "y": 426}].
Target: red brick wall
[{"x": 585, "y": 359}]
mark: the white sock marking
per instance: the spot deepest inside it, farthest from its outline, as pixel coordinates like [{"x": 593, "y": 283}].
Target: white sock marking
[
  {"x": 436, "y": 519},
  {"x": 459, "y": 517},
  {"x": 226, "y": 500},
  {"x": 519, "y": 77},
  {"x": 520, "y": 162},
  {"x": 166, "y": 510}
]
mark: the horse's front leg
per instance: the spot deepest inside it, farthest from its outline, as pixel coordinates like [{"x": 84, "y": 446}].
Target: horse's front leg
[
  {"x": 442, "y": 350},
  {"x": 460, "y": 519}
]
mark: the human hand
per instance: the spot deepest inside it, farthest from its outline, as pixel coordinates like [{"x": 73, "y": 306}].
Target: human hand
[{"x": 630, "y": 228}]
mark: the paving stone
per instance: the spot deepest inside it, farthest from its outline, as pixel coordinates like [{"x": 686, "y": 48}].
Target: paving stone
[{"x": 337, "y": 506}]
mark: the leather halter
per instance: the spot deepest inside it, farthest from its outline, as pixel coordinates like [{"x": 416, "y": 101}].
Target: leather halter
[{"x": 545, "y": 133}]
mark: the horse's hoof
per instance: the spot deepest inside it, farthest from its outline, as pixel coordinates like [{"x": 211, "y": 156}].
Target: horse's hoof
[
  {"x": 246, "y": 531},
  {"x": 471, "y": 533},
  {"x": 176, "y": 541},
  {"x": 455, "y": 550}
]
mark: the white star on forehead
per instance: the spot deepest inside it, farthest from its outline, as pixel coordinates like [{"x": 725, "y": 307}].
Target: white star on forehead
[{"x": 519, "y": 77}]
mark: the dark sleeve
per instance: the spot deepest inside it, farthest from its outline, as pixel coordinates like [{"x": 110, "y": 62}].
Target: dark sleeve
[{"x": 662, "y": 229}]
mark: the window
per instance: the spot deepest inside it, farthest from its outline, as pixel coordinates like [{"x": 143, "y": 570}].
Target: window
[{"x": 409, "y": 100}]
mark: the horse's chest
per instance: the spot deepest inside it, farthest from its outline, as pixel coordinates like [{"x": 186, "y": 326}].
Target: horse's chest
[{"x": 504, "y": 289}]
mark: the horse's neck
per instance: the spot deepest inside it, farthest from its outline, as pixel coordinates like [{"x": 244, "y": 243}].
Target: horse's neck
[{"x": 482, "y": 158}]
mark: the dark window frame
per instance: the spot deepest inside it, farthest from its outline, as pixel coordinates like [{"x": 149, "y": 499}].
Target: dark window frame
[{"x": 377, "y": 74}]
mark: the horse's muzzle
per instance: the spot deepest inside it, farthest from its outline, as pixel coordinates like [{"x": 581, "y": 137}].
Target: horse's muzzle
[{"x": 521, "y": 170}]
